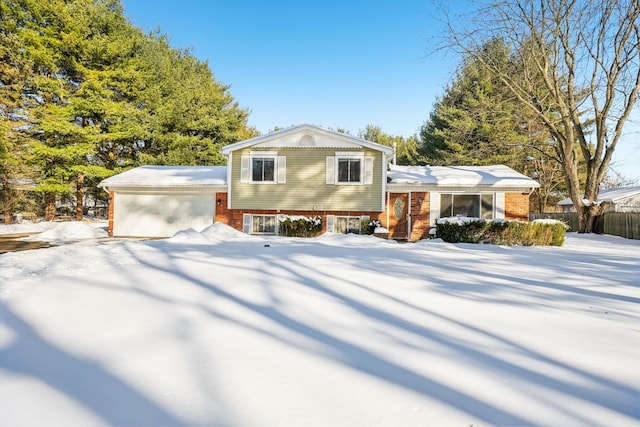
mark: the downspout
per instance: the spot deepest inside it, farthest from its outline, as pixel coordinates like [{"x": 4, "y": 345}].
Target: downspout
[
  {"x": 384, "y": 180},
  {"x": 229, "y": 163},
  {"x": 409, "y": 217},
  {"x": 387, "y": 208}
]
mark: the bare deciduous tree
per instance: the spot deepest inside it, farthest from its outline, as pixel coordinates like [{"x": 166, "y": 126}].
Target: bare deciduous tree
[{"x": 582, "y": 76}]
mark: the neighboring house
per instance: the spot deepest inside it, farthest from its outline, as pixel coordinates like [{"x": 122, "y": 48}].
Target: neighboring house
[
  {"x": 624, "y": 199},
  {"x": 309, "y": 171}
]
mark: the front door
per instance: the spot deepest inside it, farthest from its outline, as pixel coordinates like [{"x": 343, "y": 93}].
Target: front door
[{"x": 398, "y": 218}]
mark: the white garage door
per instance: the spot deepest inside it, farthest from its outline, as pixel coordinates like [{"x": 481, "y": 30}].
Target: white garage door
[{"x": 161, "y": 215}]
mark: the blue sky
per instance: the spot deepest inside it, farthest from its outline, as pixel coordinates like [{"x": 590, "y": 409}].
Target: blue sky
[{"x": 332, "y": 63}]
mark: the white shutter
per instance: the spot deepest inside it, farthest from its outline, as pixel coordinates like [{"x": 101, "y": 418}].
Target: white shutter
[
  {"x": 246, "y": 223},
  {"x": 245, "y": 162},
  {"x": 499, "y": 207},
  {"x": 331, "y": 223},
  {"x": 331, "y": 167},
  {"x": 282, "y": 169},
  {"x": 368, "y": 170},
  {"x": 434, "y": 207}
]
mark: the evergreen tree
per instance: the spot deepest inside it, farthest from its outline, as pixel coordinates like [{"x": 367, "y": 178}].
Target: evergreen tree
[
  {"x": 580, "y": 77},
  {"x": 194, "y": 114},
  {"x": 478, "y": 121},
  {"x": 15, "y": 99},
  {"x": 406, "y": 148},
  {"x": 88, "y": 95}
]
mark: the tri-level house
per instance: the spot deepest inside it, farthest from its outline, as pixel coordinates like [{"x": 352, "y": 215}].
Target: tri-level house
[
  {"x": 307, "y": 171},
  {"x": 310, "y": 171}
]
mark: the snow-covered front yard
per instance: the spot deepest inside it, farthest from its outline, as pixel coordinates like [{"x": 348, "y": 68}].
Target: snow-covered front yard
[{"x": 222, "y": 329}]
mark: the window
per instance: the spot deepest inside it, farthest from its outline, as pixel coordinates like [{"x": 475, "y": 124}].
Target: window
[
  {"x": 347, "y": 224},
  {"x": 263, "y": 224},
  {"x": 349, "y": 170},
  {"x": 469, "y": 205},
  {"x": 263, "y": 169},
  {"x": 486, "y": 206}
]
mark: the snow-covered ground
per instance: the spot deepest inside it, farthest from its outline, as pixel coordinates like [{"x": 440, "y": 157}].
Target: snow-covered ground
[{"x": 222, "y": 329}]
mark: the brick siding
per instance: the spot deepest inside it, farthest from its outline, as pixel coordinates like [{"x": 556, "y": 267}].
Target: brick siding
[
  {"x": 233, "y": 217},
  {"x": 516, "y": 206},
  {"x": 420, "y": 208},
  {"x": 419, "y": 211}
]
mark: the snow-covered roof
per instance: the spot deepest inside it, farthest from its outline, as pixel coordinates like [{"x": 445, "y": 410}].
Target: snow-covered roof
[
  {"x": 445, "y": 176},
  {"x": 611, "y": 195},
  {"x": 306, "y": 136},
  {"x": 169, "y": 176},
  {"x": 460, "y": 176}
]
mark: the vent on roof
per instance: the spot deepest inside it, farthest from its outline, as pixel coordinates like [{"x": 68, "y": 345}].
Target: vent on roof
[{"x": 307, "y": 141}]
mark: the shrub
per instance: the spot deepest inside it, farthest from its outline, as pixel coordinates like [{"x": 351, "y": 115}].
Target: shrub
[
  {"x": 368, "y": 226},
  {"x": 300, "y": 226},
  {"x": 500, "y": 232},
  {"x": 461, "y": 230}
]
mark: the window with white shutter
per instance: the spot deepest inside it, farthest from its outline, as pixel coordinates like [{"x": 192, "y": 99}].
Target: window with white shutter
[
  {"x": 263, "y": 167},
  {"x": 350, "y": 168},
  {"x": 282, "y": 169},
  {"x": 368, "y": 170},
  {"x": 246, "y": 223},
  {"x": 245, "y": 161},
  {"x": 330, "y": 171},
  {"x": 331, "y": 223}
]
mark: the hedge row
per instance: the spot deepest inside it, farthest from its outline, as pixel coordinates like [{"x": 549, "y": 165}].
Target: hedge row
[
  {"x": 502, "y": 232},
  {"x": 299, "y": 226}
]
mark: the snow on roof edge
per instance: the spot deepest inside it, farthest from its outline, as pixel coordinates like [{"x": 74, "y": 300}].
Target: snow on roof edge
[
  {"x": 165, "y": 176},
  {"x": 609, "y": 195},
  {"x": 463, "y": 176}
]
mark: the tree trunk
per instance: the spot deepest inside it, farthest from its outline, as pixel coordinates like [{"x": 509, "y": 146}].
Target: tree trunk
[
  {"x": 587, "y": 216},
  {"x": 80, "y": 197},
  {"x": 5, "y": 194},
  {"x": 49, "y": 206}
]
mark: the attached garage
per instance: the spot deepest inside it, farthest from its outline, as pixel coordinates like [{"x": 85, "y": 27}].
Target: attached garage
[{"x": 158, "y": 201}]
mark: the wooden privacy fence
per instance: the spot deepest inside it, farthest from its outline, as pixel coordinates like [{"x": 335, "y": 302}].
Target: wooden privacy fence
[{"x": 623, "y": 224}]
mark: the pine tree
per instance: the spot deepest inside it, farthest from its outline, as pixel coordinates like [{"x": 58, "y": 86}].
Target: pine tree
[
  {"x": 478, "y": 121},
  {"x": 84, "y": 94},
  {"x": 580, "y": 78},
  {"x": 406, "y": 148}
]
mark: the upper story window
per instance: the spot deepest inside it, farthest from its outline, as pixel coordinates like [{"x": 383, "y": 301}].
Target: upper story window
[
  {"x": 349, "y": 168},
  {"x": 263, "y": 167}
]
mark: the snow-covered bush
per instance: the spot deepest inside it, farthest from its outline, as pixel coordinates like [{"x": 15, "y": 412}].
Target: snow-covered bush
[
  {"x": 500, "y": 232},
  {"x": 299, "y": 226},
  {"x": 368, "y": 226}
]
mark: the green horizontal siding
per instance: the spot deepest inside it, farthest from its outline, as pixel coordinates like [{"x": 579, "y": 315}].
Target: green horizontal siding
[{"x": 306, "y": 187}]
